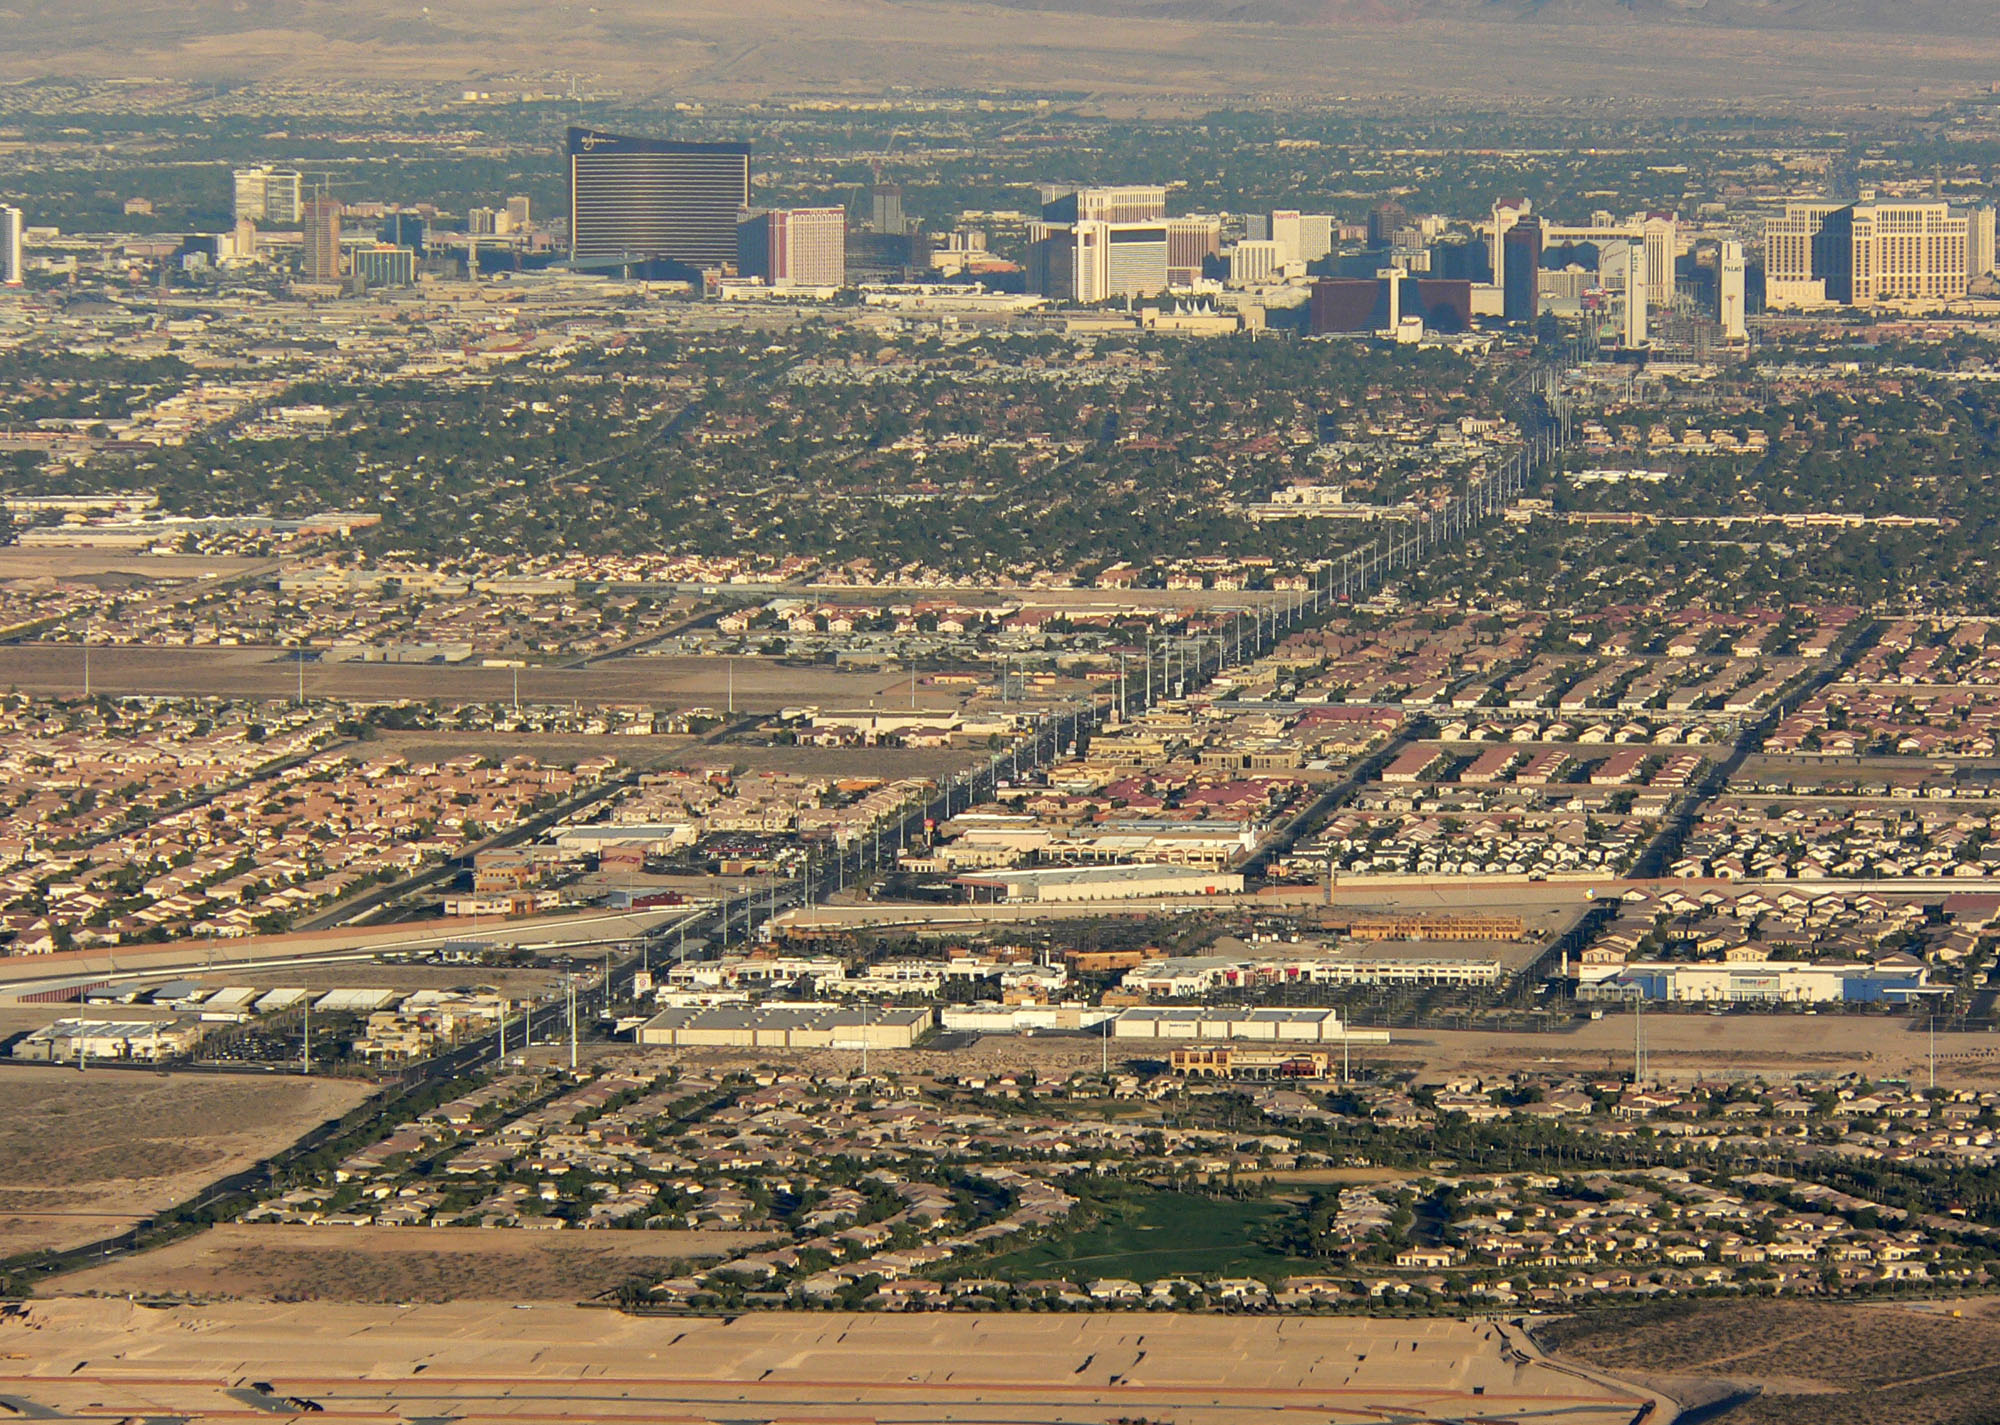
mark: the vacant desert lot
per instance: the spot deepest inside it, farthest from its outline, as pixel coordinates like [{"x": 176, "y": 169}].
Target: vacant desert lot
[
  {"x": 359, "y": 1264},
  {"x": 477, "y": 1363},
  {"x": 1683, "y": 1047},
  {"x": 756, "y": 684},
  {"x": 84, "y": 1155},
  {"x": 1679, "y": 1049},
  {"x": 1928, "y": 1363}
]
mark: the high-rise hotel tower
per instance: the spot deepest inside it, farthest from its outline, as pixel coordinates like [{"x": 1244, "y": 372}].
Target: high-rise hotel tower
[{"x": 636, "y": 200}]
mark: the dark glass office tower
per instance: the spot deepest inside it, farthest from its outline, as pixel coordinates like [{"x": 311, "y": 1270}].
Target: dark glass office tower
[{"x": 635, "y": 200}]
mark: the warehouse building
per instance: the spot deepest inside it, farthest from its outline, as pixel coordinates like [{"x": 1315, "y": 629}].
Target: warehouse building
[
  {"x": 1297, "y": 1026},
  {"x": 1097, "y": 883},
  {"x": 354, "y": 1001},
  {"x": 1894, "y": 979},
  {"x": 1017, "y": 1019},
  {"x": 1186, "y": 976},
  {"x": 786, "y": 1026},
  {"x": 68, "y": 1040}
]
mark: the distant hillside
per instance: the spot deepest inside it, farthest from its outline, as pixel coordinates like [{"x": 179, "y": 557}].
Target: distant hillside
[
  {"x": 1930, "y": 17},
  {"x": 1906, "y": 54}
]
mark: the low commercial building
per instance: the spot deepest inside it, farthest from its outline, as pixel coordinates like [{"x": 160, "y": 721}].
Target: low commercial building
[
  {"x": 1228, "y": 1062},
  {"x": 786, "y": 1027},
  {"x": 1187, "y": 976},
  {"x": 1301, "y": 1026},
  {"x": 1098, "y": 883},
  {"x": 1017, "y": 1019},
  {"x": 649, "y": 836},
  {"x": 70, "y": 1040},
  {"x": 1896, "y": 979},
  {"x": 354, "y": 1001},
  {"x": 1396, "y": 971},
  {"x": 1438, "y": 927}
]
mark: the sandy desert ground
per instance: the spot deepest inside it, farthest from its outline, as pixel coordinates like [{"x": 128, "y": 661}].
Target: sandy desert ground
[
  {"x": 85, "y": 1155},
  {"x": 1679, "y": 1047},
  {"x": 760, "y": 685},
  {"x": 478, "y": 1363},
  {"x": 397, "y": 1264}
]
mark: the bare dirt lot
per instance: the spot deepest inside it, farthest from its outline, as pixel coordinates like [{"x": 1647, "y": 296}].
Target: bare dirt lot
[
  {"x": 886, "y": 762},
  {"x": 359, "y": 1264},
  {"x": 1683, "y": 1047},
  {"x": 760, "y": 684},
  {"x": 555, "y": 749},
  {"x": 84, "y": 1155},
  {"x": 478, "y": 1363},
  {"x": 1679, "y": 1048},
  {"x": 19, "y": 563},
  {"x": 1812, "y": 1364}
]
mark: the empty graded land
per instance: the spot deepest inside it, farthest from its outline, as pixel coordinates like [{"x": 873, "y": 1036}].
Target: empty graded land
[
  {"x": 1807, "y": 1364},
  {"x": 395, "y": 1264},
  {"x": 478, "y": 1363},
  {"x": 753, "y": 684},
  {"x": 85, "y": 1155},
  {"x": 1681, "y": 1048}
]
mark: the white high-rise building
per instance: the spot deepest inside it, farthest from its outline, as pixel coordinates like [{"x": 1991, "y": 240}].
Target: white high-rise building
[
  {"x": 1285, "y": 233},
  {"x": 1863, "y": 254},
  {"x": 1131, "y": 203},
  {"x": 1661, "y": 234},
  {"x": 1191, "y": 241},
  {"x": 1315, "y": 236},
  {"x": 1119, "y": 260},
  {"x": 1303, "y": 237},
  {"x": 1729, "y": 289},
  {"x": 250, "y": 194},
  {"x": 1393, "y": 278},
  {"x": 284, "y": 197},
  {"x": 1980, "y": 257},
  {"x": 1254, "y": 262},
  {"x": 10, "y": 247},
  {"x": 1128, "y": 203},
  {"x": 1507, "y": 215},
  {"x": 1795, "y": 265},
  {"x": 795, "y": 247},
  {"x": 270, "y": 195},
  {"x": 1623, "y": 269}
]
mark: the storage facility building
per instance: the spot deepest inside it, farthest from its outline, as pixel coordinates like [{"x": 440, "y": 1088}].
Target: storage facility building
[
  {"x": 769, "y": 1026},
  {"x": 1098, "y": 883},
  {"x": 1301, "y": 1026}
]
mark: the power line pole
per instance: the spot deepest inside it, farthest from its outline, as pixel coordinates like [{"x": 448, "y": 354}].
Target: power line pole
[{"x": 1638, "y": 1042}]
